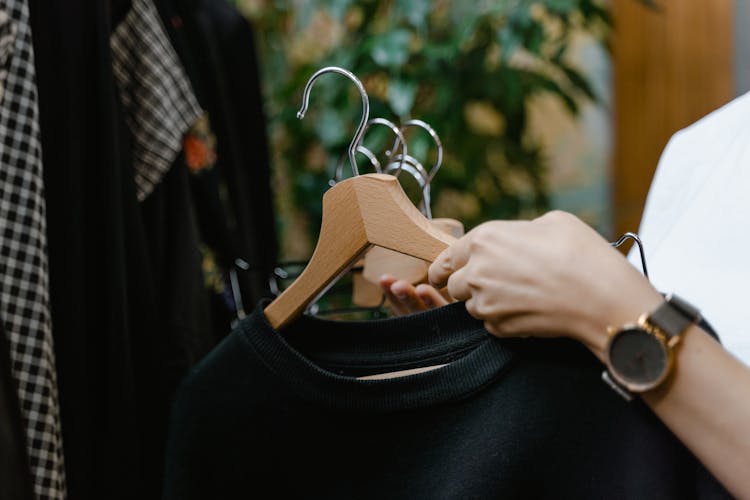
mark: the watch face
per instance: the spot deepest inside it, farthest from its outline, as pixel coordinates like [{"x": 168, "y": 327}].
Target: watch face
[{"x": 637, "y": 357}]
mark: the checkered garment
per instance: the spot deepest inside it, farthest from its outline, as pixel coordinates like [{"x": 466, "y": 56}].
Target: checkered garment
[
  {"x": 24, "y": 295},
  {"x": 159, "y": 102}
]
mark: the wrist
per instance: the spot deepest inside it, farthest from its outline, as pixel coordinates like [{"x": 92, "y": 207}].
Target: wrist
[{"x": 626, "y": 308}]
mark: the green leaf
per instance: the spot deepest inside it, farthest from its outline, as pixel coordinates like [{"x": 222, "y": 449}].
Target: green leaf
[
  {"x": 579, "y": 82},
  {"x": 566, "y": 98},
  {"x": 401, "y": 95},
  {"x": 439, "y": 52},
  {"x": 416, "y": 12},
  {"x": 512, "y": 91},
  {"x": 464, "y": 31},
  {"x": 509, "y": 41},
  {"x": 591, "y": 9},
  {"x": 559, "y": 53},
  {"x": 561, "y": 6},
  {"x": 534, "y": 38},
  {"x": 392, "y": 48}
]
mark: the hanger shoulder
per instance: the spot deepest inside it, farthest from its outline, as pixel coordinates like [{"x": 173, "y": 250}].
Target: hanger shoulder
[
  {"x": 379, "y": 261},
  {"x": 392, "y": 221},
  {"x": 365, "y": 210},
  {"x": 342, "y": 239}
]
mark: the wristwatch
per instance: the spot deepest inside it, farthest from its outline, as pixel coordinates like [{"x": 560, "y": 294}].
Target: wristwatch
[{"x": 640, "y": 356}]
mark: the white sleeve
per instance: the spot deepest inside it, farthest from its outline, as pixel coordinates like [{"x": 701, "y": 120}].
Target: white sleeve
[{"x": 696, "y": 222}]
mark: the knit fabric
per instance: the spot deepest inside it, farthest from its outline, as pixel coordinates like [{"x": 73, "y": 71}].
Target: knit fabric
[{"x": 299, "y": 413}]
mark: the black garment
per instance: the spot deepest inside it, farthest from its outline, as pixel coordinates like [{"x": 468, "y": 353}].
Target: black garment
[
  {"x": 514, "y": 418},
  {"x": 127, "y": 298},
  {"x": 180, "y": 323},
  {"x": 234, "y": 202},
  {"x": 14, "y": 463},
  {"x": 182, "y": 301},
  {"x": 109, "y": 342}
]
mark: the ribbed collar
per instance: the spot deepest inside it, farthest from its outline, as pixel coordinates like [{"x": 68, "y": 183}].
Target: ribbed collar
[{"x": 320, "y": 359}]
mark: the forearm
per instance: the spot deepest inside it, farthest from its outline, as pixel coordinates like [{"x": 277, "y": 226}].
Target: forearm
[
  {"x": 706, "y": 404},
  {"x": 706, "y": 400}
]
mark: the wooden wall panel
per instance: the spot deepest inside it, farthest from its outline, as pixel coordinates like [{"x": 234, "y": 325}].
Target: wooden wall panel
[{"x": 671, "y": 67}]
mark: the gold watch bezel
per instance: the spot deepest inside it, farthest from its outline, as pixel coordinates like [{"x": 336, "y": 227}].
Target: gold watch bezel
[{"x": 666, "y": 342}]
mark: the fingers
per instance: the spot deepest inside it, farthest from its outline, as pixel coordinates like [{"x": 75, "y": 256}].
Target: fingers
[
  {"x": 449, "y": 261},
  {"x": 430, "y": 296},
  {"x": 406, "y": 293},
  {"x": 407, "y": 299},
  {"x": 386, "y": 281},
  {"x": 458, "y": 285},
  {"x": 402, "y": 296}
]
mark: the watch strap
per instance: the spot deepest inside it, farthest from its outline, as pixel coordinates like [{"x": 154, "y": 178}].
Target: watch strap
[
  {"x": 615, "y": 386},
  {"x": 674, "y": 316}
]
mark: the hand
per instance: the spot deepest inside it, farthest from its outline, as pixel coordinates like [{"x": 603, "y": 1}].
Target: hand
[
  {"x": 552, "y": 276},
  {"x": 405, "y": 298}
]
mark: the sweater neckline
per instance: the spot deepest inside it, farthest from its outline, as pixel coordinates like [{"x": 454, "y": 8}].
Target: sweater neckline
[{"x": 321, "y": 360}]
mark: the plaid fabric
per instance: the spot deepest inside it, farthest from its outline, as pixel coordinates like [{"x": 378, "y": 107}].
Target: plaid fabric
[
  {"x": 24, "y": 299},
  {"x": 7, "y": 39},
  {"x": 159, "y": 102}
]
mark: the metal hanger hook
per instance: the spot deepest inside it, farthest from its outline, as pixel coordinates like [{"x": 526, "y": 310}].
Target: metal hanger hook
[
  {"x": 424, "y": 125},
  {"x": 413, "y": 167},
  {"x": 400, "y": 139},
  {"x": 340, "y": 165},
  {"x": 365, "y": 108},
  {"x": 370, "y": 155},
  {"x": 638, "y": 242}
]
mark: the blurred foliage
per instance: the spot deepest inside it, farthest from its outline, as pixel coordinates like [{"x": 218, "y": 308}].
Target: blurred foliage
[{"x": 469, "y": 69}]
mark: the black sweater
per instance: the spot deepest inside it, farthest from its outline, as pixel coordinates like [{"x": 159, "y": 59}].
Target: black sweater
[{"x": 287, "y": 414}]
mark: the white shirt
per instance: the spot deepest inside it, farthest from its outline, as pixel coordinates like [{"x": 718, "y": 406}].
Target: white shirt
[{"x": 696, "y": 224}]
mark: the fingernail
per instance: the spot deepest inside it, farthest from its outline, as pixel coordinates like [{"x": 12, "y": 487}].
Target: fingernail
[
  {"x": 446, "y": 265},
  {"x": 401, "y": 296}
]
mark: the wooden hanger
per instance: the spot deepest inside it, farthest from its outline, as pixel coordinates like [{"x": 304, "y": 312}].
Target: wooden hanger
[
  {"x": 358, "y": 212},
  {"x": 365, "y": 210},
  {"x": 379, "y": 261}
]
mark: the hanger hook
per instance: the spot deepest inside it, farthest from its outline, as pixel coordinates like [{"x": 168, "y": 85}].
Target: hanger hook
[
  {"x": 637, "y": 240},
  {"x": 365, "y": 108},
  {"x": 400, "y": 139},
  {"x": 369, "y": 154},
  {"x": 422, "y": 124},
  {"x": 412, "y": 166},
  {"x": 340, "y": 165}
]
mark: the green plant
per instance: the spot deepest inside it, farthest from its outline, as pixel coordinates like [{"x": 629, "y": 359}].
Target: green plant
[{"x": 470, "y": 69}]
